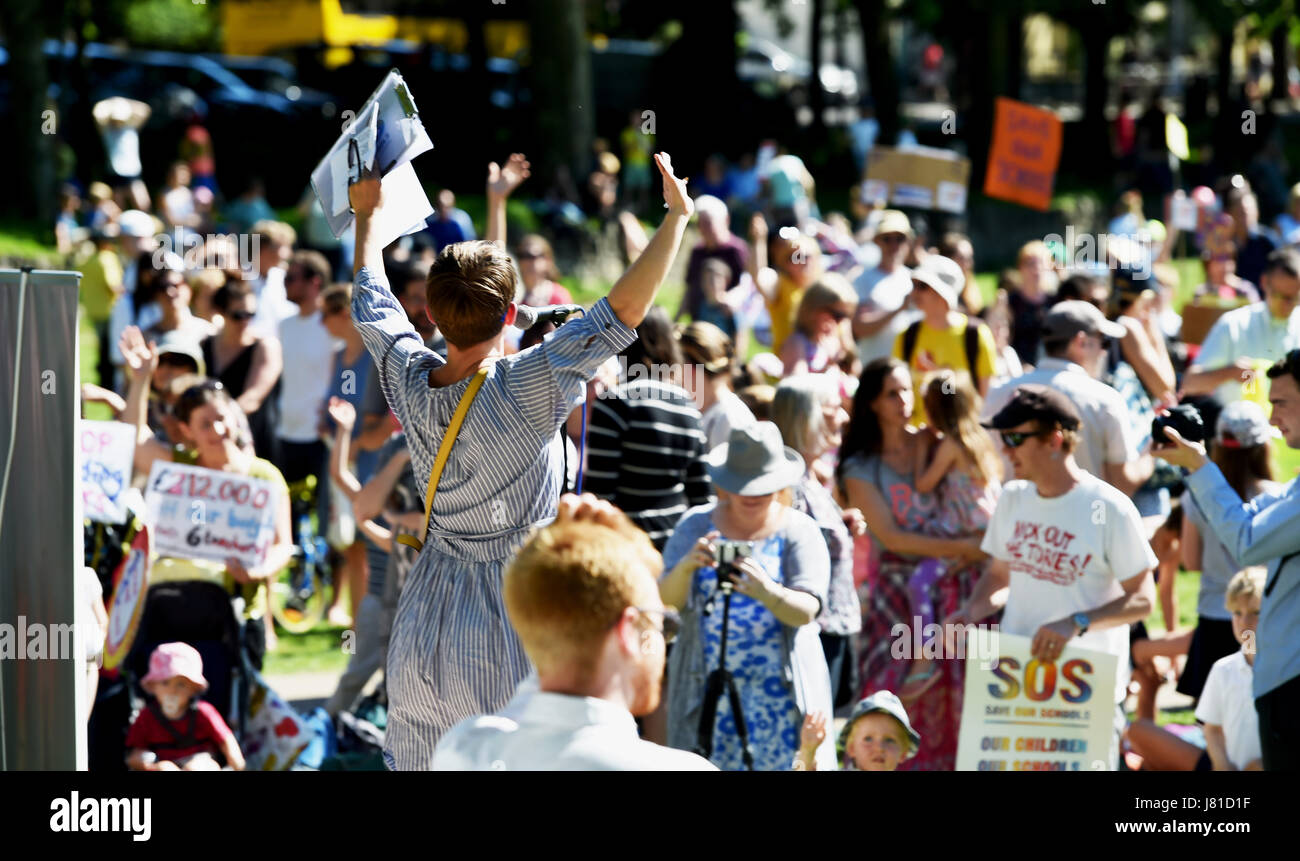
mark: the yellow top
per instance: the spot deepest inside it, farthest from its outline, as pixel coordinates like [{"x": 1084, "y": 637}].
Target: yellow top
[
  {"x": 783, "y": 309},
  {"x": 947, "y": 349},
  {"x": 101, "y": 283}
]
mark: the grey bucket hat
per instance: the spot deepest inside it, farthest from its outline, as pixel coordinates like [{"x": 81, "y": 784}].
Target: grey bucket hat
[{"x": 754, "y": 461}]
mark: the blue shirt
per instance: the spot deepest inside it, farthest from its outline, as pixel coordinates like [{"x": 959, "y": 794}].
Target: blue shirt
[{"x": 1258, "y": 532}]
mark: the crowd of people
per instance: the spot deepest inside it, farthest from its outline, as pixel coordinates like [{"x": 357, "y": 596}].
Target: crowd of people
[{"x": 837, "y": 433}]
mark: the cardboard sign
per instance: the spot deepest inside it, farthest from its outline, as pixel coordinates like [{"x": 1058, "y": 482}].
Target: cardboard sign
[
  {"x": 917, "y": 177},
  {"x": 129, "y": 592},
  {"x": 1021, "y": 715},
  {"x": 107, "y": 450},
  {"x": 199, "y": 513},
  {"x": 1024, "y": 155}
]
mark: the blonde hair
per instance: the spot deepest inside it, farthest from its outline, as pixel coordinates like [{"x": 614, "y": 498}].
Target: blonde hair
[
  {"x": 568, "y": 585},
  {"x": 1034, "y": 248},
  {"x": 830, "y": 289},
  {"x": 797, "y": 409},
  {"x": 1247, "y": 583},
  {"x": 953, "y": 406},
  {"x": 275, "y": 232}
]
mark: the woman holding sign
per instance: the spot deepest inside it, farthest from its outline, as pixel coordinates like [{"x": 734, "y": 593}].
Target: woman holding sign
[{"x": 211, "y": 422}]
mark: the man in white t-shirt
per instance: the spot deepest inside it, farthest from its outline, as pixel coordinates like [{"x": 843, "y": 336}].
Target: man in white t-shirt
[
  {"x": 584, "y": 598},
  {"x": 883, "y": 311},
  {"x": 308, "y": 359},
  {"x": 1070, "y": 547}
]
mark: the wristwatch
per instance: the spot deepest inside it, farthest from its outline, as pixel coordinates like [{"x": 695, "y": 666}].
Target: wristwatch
[{"x": 1081, "y": 622}]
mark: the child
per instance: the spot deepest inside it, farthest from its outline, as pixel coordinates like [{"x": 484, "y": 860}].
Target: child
[
  {"x": 717, "y": 307},
  {"x": 177, "y": 731},
  {"x": 876, "y": 737},
  {"x": 1226, "y": 708},
  {"x": 821, "y": 339}
]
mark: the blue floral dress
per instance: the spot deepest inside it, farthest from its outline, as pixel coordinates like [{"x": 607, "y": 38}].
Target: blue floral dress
[{"x": 780, "y": 671}]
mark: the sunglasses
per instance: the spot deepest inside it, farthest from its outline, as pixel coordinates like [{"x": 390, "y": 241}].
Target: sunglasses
[
  {"x": 530, "y": 255},
  {"x": 240, "y": 316},
  {"x": 892, "y": 238},
  {"x": 837, "y": 315},
  {"x": 672, "y": 621},
  {"x": 1015, "y": 439}
]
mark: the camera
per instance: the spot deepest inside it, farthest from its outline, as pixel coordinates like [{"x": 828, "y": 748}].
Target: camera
[
  {"x": 726, "y": 554},
  {"x": 1185, "y": 419}
]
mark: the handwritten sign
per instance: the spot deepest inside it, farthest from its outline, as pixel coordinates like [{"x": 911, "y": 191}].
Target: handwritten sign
[
  {"x": 131, "y": 587},
  {"x": 201, "y": 513},
  {"x": 1022, "y": 715},
  {"x": 106, "y": 450},
  {"x": 918, "y": 177},
  {"x": 1025, "y": 153}
]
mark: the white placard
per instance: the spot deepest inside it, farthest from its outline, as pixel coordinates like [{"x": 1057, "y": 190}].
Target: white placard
[
  {"x": 107, "y": 450},
  {"x": 202, "y": 513},
  {"x": 1021, "y": 715},
  {"x": 1182, "y": 212}
]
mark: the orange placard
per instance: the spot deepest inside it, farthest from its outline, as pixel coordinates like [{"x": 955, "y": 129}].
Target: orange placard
[{"x": 1025, "y": 153}]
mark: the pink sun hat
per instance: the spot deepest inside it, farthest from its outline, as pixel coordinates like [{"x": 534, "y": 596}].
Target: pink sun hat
[{"x": 175, "y": 659}]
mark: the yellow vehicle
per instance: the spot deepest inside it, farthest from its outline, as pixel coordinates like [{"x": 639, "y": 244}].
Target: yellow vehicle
[{"x": 257, "y": 27}]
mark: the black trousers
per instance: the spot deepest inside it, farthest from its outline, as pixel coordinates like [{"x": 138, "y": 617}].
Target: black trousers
[{"x": 1279, "y": 726}]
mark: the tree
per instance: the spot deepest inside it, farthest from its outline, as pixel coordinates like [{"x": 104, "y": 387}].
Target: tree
[
  {"x": 33, "y": 182},
  {"x": 562, "y": 90},
  {"x": 873, "y": 18}
]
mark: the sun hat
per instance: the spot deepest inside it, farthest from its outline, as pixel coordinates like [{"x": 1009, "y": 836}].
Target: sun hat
[
  {"x": 942, "y": 275},
  {"x": 1066, "y": 319},
  {"x": 754, "y": 461},
  {"x": 137, "y": 223},
  {"x": 178, "y": 343},
  {"x": 171, "y": 660},
  {"x": 1242, "y": 424},
  {"x": 894, "y": 221},
  {"x": 1036, "y": 402},
  {"x": 880, "y": 701}
]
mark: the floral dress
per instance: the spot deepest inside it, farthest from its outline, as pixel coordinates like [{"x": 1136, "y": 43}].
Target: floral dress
[{"x": 780, "y": 671}]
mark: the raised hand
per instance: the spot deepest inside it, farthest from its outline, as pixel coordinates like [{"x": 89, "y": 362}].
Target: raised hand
[
  {"x": 141, "y": 358},
  {"x": 679, "y": 202},
  {"x": 343, "y": 413},
  {"x": 366, "y": 194},
  {"x": 504, "y": 180},
  {"x": 813, "y": 732}
]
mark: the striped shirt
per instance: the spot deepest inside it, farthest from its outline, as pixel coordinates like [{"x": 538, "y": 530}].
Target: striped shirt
[
  {"x": 453, "y": 653},
  {"x": 645, "y": 453}
]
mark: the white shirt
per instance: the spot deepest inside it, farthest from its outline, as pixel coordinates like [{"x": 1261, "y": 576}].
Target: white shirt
[
  {"x": 558, "y": 732},
  {"x": 1104, "y": 433},
  {"x": 273, "y": 305},
  {"x": 1249, "y": 332},
  {"x": 727, "y": 412},
  {"x": 885, "y": 292},
  {"x": 1227, "y": 701},
  {"x": 308, "y": 361},
  {"x": 1068, "y": 555},
  {"x": 123, "y": 145}
]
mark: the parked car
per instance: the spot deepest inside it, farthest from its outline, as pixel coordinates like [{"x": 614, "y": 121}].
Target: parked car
[{"x": 770, "y": 69}]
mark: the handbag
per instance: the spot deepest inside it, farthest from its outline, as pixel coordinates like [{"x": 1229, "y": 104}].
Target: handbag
[{"x": 444, "y": 451}]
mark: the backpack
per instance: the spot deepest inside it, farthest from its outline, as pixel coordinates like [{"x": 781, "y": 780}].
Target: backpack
[{"x": 971, "y": 341}]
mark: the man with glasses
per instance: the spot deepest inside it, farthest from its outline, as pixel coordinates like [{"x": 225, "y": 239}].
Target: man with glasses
[
  {"x": 583, "y": 596},
  {"x": 1073, "y": 341},
  {"x": 883, "y": 311},
  {"x": 1070, "y": 547},
  {"x": 1256, "y": 532}
]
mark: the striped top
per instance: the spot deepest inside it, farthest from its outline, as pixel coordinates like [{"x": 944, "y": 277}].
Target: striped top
[
  {"x": 645, "y": 453},
  {"x": 505, "y": 469}
]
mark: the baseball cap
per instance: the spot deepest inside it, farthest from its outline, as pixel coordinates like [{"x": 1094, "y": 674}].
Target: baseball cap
[
  {"x": 137, "y": 223},
  {"x": 1035, "y": 402},
  {"x": 894, "y": 221},
  {"x": 880, "y": 701},
  {"x": 1128, "y": 283},
  {"x": 1242, "y": 424},
  {"x": 942, "y": 275},
  {"x": 1068, "y": 318}
]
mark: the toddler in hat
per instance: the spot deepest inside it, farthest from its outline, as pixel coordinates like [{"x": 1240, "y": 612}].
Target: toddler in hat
[
  {"x": 877, "y": 736},
  {"x": 177, "y": 731}
]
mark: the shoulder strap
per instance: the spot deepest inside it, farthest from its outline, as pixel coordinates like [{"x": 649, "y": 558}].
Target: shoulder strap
[
  {"x": 181, "y": 740},
  {"x": 909, "y": 341},
  {"x": 972, "y": 350},
  {"x": 444, "y": 451}
]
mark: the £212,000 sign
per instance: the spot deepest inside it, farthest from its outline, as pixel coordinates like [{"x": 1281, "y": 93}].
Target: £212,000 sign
[{"x": 205, "y": 514}]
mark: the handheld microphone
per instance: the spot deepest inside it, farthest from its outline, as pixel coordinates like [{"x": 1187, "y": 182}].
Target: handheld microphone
[{"x": 526, "y": 316}]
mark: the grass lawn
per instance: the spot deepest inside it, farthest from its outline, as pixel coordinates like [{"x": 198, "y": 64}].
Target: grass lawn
[{"x": 320, "y": 650}]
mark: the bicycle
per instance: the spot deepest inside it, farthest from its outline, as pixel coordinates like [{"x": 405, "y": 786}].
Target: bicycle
[{"x": 298, "y": 594}]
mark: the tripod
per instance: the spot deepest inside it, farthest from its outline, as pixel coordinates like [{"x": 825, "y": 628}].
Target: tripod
[{"x": 721, "y": 680}]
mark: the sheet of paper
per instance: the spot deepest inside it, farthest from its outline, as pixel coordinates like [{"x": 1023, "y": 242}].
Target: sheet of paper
[{"x": 405, "y": 205}]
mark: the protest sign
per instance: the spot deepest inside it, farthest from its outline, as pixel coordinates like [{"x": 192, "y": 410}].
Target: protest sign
[
  {"x": 919, "y": 177},
  {"x": 130, "y": 588},
  {"x": 386, "y": 134},
  {"x": 107, "y": 450},
  {"x": 1024, "y": 155},
  {"x": 201, "y": 513},
  {"x": 1022, "y": 715}
]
